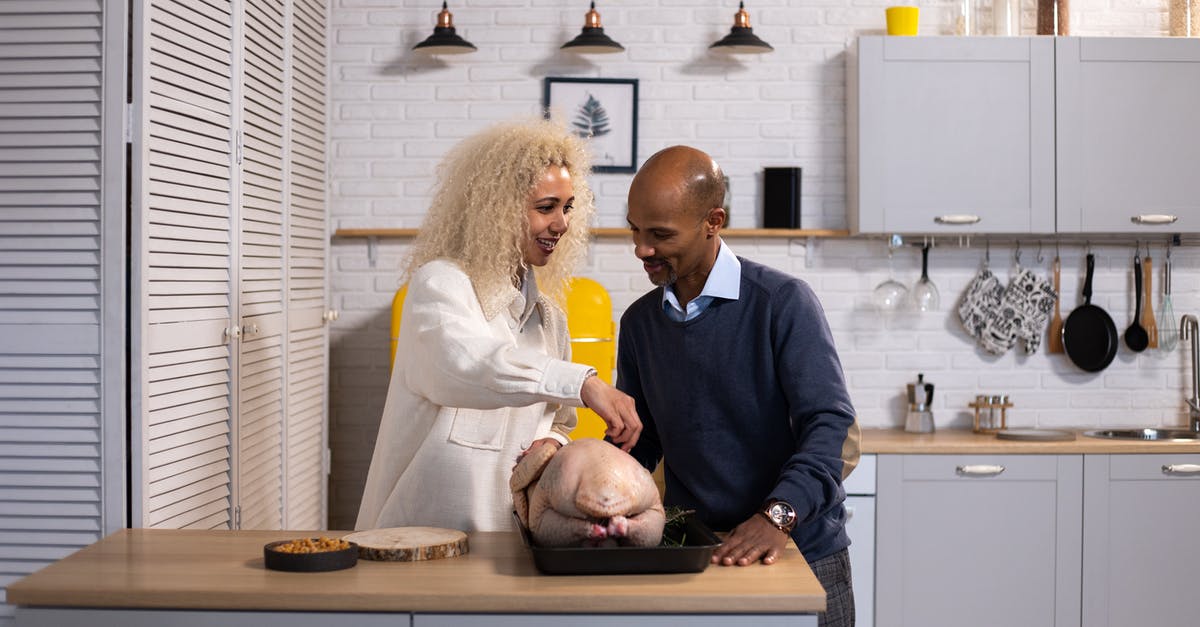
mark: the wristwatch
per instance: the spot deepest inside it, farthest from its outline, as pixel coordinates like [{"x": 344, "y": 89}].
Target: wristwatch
[{"x": 780, "y": 514}]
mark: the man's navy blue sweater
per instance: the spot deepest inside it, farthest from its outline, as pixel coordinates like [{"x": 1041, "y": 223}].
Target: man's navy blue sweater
[{"x": 744, "y": 403}]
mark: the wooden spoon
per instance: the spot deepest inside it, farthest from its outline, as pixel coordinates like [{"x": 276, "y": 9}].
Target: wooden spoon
[
  {"x": 1055, "y": 345},
  {"x": 1148, "y": 313}
]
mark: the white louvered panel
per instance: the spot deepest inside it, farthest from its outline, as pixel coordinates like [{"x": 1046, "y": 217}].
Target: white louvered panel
[
  {"x": 261, "y": 259},
  {"x": 15, "y": 66},
  {"x": 175, "y": 217},
  {"x": 190, "y": 53},
  {"x": 188, "y": 258},
  {"x": 45, "y": 124},
  {"x": 212, "y": 513},
  {"x": 307, "y": 248},
  {"x": 50, "y": 365},
  {"x": 61, "y": 138},
  {"x": 210, "y": 463},
  {"x": 51, "y": 50},
  {"x": 260, "y": 425},
  {"x": 82, "y": 14},
  {"x": 306, "y": 422}
]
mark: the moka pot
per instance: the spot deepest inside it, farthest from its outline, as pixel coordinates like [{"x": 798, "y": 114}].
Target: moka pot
[{"x": 920, "y": 414}]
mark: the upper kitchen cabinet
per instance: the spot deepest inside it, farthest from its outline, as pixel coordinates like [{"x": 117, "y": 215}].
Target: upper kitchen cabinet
[
  {"x": 950, "y": 135},
  {"x": 1128, "y": 135},
  {"x": 1023, "y": 135}
]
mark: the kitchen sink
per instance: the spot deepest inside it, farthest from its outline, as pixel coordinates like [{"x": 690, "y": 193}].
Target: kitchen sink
[{"x": 1155, "y": 435}]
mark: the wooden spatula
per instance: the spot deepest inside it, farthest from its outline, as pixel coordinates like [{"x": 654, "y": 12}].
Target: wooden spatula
[
  {"x": 1148, "y": 313},
  {"x": 1055, "y": 343}
]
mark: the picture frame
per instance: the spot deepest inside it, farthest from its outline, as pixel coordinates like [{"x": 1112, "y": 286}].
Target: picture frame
[{"x": 602, "y": 110}]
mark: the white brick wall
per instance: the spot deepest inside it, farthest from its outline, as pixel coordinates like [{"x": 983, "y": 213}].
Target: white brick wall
[{"x": 394, "y": 113}]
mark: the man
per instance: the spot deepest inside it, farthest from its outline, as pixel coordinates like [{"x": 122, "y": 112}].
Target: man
[{"x": 737, "y": 382}]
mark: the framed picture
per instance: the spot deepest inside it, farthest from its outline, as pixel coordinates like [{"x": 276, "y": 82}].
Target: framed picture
[{"x": 603, "y": 110}]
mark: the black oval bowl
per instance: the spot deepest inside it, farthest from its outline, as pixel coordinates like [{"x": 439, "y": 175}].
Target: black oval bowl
[{"x": 309, "y": 562}]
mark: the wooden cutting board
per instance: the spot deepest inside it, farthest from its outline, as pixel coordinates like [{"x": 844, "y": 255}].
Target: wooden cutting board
[{"x": 408, "y": 544}]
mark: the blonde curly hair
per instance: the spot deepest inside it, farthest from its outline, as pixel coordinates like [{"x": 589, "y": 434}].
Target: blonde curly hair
[{"x": 478, "y": 216}]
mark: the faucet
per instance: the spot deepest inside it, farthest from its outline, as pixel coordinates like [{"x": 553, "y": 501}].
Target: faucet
[{"x": 1189, "y": 328}]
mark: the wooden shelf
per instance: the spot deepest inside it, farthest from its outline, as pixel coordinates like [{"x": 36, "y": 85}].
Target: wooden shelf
[{"x": 621, "y": 232}]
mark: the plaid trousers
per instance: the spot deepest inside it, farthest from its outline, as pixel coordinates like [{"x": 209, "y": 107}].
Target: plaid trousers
[{"x": 834, "y": 574}]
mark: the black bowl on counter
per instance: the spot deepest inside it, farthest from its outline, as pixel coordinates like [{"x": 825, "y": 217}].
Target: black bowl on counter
[{"x": 309, "y": 562}]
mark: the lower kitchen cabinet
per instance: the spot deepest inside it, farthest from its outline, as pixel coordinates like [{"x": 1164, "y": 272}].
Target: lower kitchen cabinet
[
  {"x": 978, "y": 540},
  {"x": 1140, "y": 552}
]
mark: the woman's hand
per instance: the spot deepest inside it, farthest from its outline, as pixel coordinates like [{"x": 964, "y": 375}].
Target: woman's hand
[
  {"x": 616, "y": 409},
  {"x": 536, "y": 443}
]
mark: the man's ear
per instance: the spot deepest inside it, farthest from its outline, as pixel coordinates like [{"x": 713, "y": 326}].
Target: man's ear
[{"x": 715, "y": 221}]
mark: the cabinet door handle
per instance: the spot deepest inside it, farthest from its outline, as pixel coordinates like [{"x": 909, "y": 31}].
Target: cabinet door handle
[
  {"x": 957, "y": 218},
  {"x": 1154, "y": 218},
  {"x": 979, "y": 470},
  {"x": 1181, "y": 469},
  {"x": 849, "y": 512}
]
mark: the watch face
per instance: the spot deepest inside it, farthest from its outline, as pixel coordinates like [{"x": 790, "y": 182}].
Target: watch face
[{"x": 781, "y": 513}]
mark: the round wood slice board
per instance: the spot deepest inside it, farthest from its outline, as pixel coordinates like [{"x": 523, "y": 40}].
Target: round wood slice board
[{"x": 408, "y": 544}]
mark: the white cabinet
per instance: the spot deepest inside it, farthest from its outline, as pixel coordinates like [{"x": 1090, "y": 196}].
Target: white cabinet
[
  {"x": 978, "y": 540},
  {"x": 1140, "y": 552},
  {"x": 1023, "y": 135},
  {"x": 1128, "y": 134},
  {"x": 860, "y": 526},
  {"x": 951, "y": 135}
]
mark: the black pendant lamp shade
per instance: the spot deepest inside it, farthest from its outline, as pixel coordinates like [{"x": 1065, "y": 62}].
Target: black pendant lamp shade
[
  {"x": 592, "y": 39},
  {"x": 741, "y": 37},
  {"x": 444, "y": 40}
]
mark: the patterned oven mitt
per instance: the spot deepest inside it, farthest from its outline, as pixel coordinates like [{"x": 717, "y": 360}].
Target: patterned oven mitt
[
  {"x": 982, "y": 296},
  {"x": 1027, "y": 302}
]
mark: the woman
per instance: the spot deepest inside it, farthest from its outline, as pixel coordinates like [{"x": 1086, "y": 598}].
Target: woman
[{"x": 482, "y": 366}]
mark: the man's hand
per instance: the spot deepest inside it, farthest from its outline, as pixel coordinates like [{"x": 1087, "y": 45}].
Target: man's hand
[
  {"x": 616, "y": 409},
  {"x": 753, "y": 540}
]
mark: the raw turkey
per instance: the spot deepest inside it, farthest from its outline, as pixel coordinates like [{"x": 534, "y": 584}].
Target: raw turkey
[{"x": 587, "y": 493}]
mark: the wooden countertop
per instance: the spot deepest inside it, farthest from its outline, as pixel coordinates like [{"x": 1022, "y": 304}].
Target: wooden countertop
[
  {"x": 962, "y": 441},
  {"x": 183, "y": 569}
]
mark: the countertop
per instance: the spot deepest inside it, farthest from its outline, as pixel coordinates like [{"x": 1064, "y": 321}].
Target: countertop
[
  {"x": 184, "y": 569},
  {"x": 963, "y": 441}
]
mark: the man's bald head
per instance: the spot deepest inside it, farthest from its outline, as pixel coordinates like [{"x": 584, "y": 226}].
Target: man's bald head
[{"x": 688, "y": 174}]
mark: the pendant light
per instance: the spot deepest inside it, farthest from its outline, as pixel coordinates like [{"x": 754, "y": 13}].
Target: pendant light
[
  {"x": 592, "y": 39},
  {"x": 741, "y": 38},
  {"x": 444, "y": 40}
]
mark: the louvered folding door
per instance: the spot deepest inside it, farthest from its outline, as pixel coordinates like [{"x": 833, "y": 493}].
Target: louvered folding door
[
  {"x": 185, "y": 266},
  {"x": 233, "y": 371},
  {"x": 61, "y": 296}
]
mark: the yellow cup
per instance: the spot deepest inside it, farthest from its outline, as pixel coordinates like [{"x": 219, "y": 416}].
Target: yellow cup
[{"x": 901, "y": 20}]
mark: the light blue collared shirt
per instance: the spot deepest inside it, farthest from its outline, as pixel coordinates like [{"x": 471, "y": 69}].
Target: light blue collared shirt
[{"x": 724, "y": 281}]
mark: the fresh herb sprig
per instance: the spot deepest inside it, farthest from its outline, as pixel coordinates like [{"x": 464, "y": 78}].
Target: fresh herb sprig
[{"x": 673, "y": 530}]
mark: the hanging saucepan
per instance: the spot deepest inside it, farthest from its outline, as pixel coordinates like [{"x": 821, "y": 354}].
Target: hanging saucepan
[{"x": 1089, "y": 335}]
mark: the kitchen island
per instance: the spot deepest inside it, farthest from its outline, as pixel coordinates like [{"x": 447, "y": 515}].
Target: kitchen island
[{"x": 184, "y": 578}]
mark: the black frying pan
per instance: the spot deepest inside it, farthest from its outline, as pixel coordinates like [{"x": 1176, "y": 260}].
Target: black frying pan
[{"x": 1089, "y": 335}]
